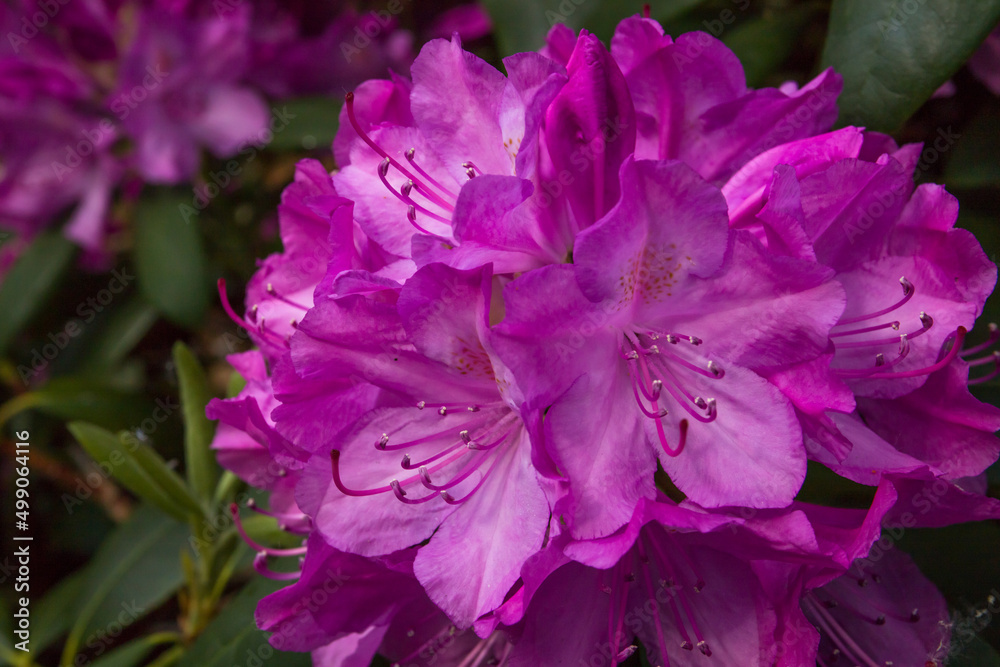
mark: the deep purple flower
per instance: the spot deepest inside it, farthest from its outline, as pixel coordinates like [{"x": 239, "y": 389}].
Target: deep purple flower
[
  {"x": 687, "y": 583},
  {"x": 649, "y": 345},
  {"x": 880, "y": 612},
  {"x": 444, "y": 456},
  {"x": 180, "y": 89},
  {"x": 477, "y": 166}
]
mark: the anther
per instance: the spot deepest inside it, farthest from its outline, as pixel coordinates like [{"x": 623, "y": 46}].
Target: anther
[
  {"x": 670, "y": 338},
  {"x": 653, "y": 349},
  {"x": 472, "y": 408},
  {"x": 715, "y": 369},
  {"x": 694, "y": 340},
  {"x": 383, "y": 168},
  {"x": 383, "y": 441},
  {"x": 705, "y": 650},
  {"x": 465, "y": 437},
  {"x": 626, "y": 652},
  {"x": 880, "y": 359},
  {"x": 410, "y": 152},
  {"x": 443, "y": 411},
  {"x": 880, "y": 620},
  {"x": 406, "y": 188},
  {"x": 915, "y": 615},
  {"x": 253, "y": 313},
  {"x": 471, "y": 173},
  {"x": 926, "y": 320},
  {"x": 421, "y": 404},
  {"x": 405, "y": 463}
]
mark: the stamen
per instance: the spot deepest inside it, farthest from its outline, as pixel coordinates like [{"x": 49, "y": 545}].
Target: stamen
[
  {"x": 836, "y": 633},
  {"x": 926, "y": 322},
  {"x": 995, "y": 358},
  {"x": 908, "y": 291},
  {"x": 648, "y": 581},
  {"x": 982, "y": 361},
  {"x": 224, "y": 298},
  {"x": 993, "y": 338},
  {"x": 273, "y": 292},
  {"x": 403, "y": 194},
  {"x": 888, "y": 325},
  {"x": 944, "y": 361},
  {"x": 269, "y": 551},
  {"x": 260, "y": 564},
  {"x": 397, "y": 489},
  {"x": 411, "y": 158},
  {"x": 448, "y": 498},
  {"x": 335, "y": 465},
  {"x": 430, "y": 194}
]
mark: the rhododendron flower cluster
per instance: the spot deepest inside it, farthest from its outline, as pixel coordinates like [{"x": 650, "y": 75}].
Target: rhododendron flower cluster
[{"x": 544, "y": 361}]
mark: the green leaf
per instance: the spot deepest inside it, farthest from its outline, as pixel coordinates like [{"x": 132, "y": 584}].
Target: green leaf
[
  {"x": 128, "y": 655},
  {"x": 521, "y": 25},
  {"x": 71, "y": 398},
  {"x": 974, "y": 653},
  {"x": 50, "y": 620},
  {"x": 893, "y": 55},
  {"x": 765, "y": 42},
  {"x": 976, "y": 160},
  {"x": 232, "y": 637},
  {"x": 202, "y": 470},
  {"x": 29, "y": 284},
  {"x": 139, "y": 468},
  {"x": 133, "y": 572},
  {"x": 305, "y": 122},
  {"x": 170, "y": 258},
  {"x": 127, "y": 325}
]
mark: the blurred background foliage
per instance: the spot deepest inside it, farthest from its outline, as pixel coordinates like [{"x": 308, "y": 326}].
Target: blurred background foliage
[{"x": 136, "y": 560}]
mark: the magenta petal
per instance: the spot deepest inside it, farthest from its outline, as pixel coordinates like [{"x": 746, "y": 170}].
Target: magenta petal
[
  {"x": 354, "y": 650},
  {"x": 898, "y": 616},
  {"x": 477, "y": 554},
  {"x": 567, "y": 621},
  {"x": 615, "y": 469},
  {"x": 751, "y": 455},
  {"x": 668, "y": 230},
  {"x": 493, "y": 223},
  {"x": 456, "y": 102},
  {"x": 940, "y": 423},
  {"x": 589, "y": 130}
]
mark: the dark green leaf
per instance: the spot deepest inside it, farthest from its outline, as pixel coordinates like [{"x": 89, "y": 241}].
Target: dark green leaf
[
  {"x": 202, "y": 470},
  {"x": 974, "y": 653},
  {"x": 521, "y": 25},
  {"x": 765, "y": 42},
  {"x": 894, "y": 55},
  {"x": 233, "y": 636},
  {"x": 170, "y": 258},
  {"x": 976, "y": 160},
  {"x": 125, "y": 328},
  {"x": 133, "y": 572},
  {"x": 71, "y": 398},
  {"x": 139, "y": 468},
  {"x": 128, "y": 655},
  {"x": 305, "y": 122},
  {"x": 29, "y": 284},
  {"x": 50, "y": 618}
]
